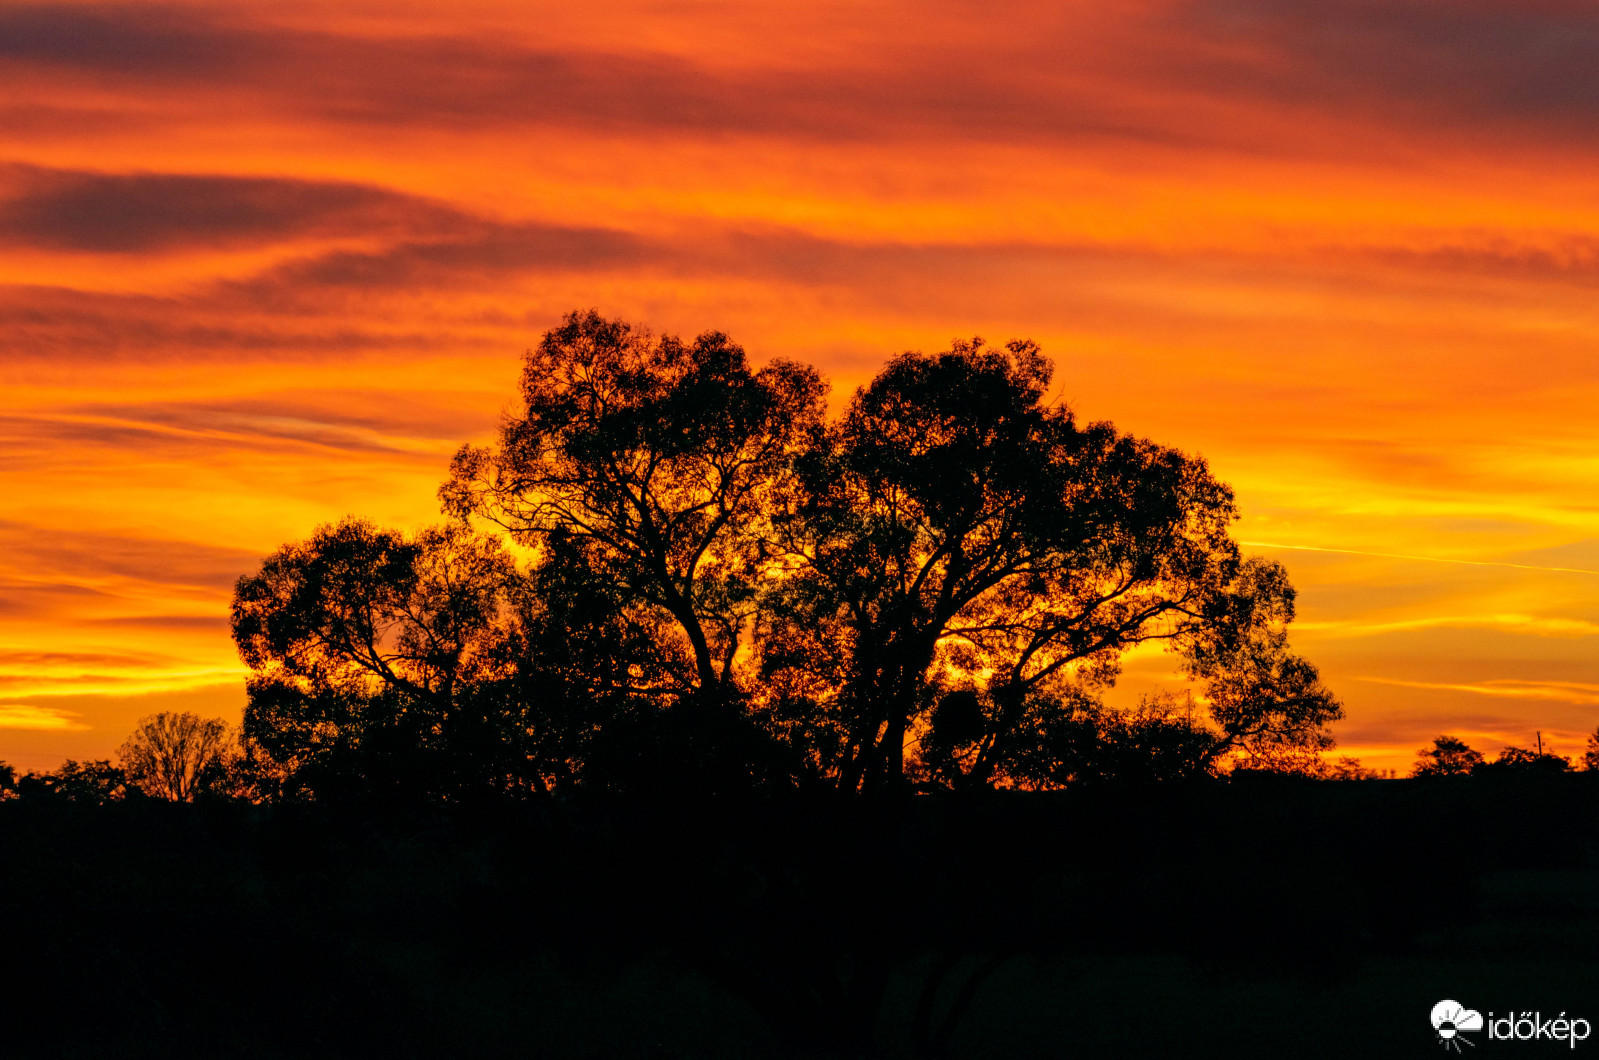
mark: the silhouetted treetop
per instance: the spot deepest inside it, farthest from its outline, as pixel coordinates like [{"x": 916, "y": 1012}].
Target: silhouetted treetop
[
  {"x": 178, "y": 756},
  {"x": 372, "y": 650},
  {"x": 1450, "y": 756},
  {"x": 1447, "y": 757},
  {"x": 662, "y": 456},
  {"x": 92, "y": 782},
  {"x": 359, "y": 603},
  {"x": 1523, "y": 760}
]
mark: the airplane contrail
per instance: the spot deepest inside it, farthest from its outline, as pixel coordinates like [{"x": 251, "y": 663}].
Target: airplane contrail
[{"x": 1424, "y": 559}]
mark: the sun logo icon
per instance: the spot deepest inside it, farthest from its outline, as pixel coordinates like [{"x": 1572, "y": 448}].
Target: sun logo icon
[{"x": 1450, "y": 1019}]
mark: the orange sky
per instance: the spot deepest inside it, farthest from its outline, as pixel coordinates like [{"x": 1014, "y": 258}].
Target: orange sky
[{"x": 262, "y": 265}]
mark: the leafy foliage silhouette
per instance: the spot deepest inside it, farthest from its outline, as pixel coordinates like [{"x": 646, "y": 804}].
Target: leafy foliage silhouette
[
  {"x": 1523, "y": 760},
  {"x": 178, "y": 756},
  {"x": 94, "y": 783},
  {"x": 1447, "y": 757},
  {"x": 383, "y": 663},
  {"x": 720, "y": 587}
]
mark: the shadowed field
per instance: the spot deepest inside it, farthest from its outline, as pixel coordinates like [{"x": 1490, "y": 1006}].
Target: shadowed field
[{"x": 1260, "y": 917}]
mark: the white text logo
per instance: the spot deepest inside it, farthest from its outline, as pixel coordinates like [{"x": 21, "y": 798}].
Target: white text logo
[{"x": 1452, "y": 1021}]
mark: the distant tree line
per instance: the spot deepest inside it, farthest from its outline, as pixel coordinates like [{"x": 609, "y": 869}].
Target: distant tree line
[
  {"x": 1450, "y": 756},
  {"x": 181, "y": 757}
]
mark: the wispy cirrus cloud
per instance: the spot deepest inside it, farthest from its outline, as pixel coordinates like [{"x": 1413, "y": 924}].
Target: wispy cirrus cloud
[
  {"x": 1506, "y": 688},
  {"x": 1061, "y": 76},
  {"x": 135, "y": 681},
  {"x": 91, "y": 559},
  {"x": 1478, "y": 59},
  {"x": 142, "y": 213},
  {"x": 1541, "y": 626},
  {"x": 62, "y": 325},
  {"x": 41, "y": 719}
]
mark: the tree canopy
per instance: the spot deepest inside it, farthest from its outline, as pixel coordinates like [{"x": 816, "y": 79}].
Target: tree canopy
[
  {"x": 659, "y": 457},
  {"x": 1450, "y": 756},
  {"x": 178, "y": 756},
  {"x": 673, "y": 562},
  {"x": 92, "y": 782}
]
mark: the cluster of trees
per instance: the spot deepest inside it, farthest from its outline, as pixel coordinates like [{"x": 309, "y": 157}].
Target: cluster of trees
[
  {"x": 1450, "y": 756},
  {"x": 676, "y": 569},
  {"x": 180, "y": 757}
]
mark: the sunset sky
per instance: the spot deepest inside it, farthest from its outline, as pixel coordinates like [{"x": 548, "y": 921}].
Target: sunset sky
[{"x": 263, "y": 265}]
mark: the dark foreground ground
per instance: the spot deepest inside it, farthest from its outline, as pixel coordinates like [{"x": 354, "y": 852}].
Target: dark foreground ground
[{"x": 1260, "y": 918}]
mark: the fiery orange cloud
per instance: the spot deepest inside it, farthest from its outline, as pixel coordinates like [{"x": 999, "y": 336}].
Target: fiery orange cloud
[{"x": 267, "y": 265}]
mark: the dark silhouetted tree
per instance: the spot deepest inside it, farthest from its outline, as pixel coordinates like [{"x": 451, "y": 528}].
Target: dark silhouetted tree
[
  {"x": 662, "y": 457},
  {"x": 1520, "y": 760},
  {"x": 968, "y": 564},
  {"x": 374, "y": 658},
  {"x": 178, "y": 756},
  {"x": 94, "y": 782},
  {"x": 1449, "y": 756},
  {"x": 435, "y": 665},
  {"x": 936, "y": 589},
  {"x": 1267, "y": 703},
  {"x": 1347, "y": 768},
  {"x": 1076, "y": 742},
  {"x": 599, "y": 669},
  {"x": 659, "y": 461}
]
